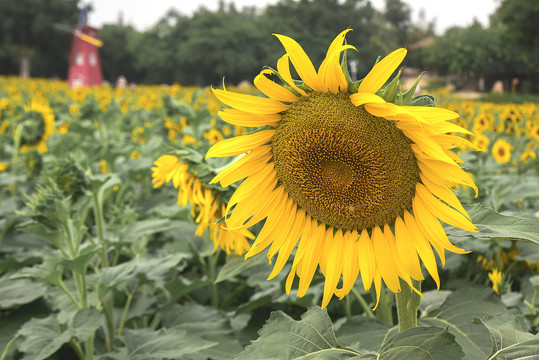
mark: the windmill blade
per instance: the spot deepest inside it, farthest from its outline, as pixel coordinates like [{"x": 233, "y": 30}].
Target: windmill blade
[
  {"x": 91, "y": 40},
  {"x": 82, "y": 17}
]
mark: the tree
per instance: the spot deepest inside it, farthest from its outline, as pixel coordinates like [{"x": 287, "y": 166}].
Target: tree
[
  {"x": 397, "y": 13},
  {"x": 28, "y": 26},
  {"x": 117, "y": 54}
]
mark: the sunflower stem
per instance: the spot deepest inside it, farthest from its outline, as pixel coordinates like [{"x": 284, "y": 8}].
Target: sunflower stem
[{"x": 408, "y": 302}]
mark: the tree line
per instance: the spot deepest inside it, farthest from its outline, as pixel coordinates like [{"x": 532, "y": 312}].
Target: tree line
[{"x": 236, "y": 43}]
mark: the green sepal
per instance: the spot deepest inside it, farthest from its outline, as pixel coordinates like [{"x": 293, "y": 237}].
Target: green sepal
[
  {"x": 352, "y": 85},
  {"x": 390, "y": 92},
  {"x": 405, "y": 99}
]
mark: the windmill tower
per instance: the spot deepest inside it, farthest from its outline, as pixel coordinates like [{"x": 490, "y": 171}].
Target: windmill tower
[{"x": 84, "y": 63}]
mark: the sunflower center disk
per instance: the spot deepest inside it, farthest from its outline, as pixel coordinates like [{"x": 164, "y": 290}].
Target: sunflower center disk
[{"x": 344, "y": 166}]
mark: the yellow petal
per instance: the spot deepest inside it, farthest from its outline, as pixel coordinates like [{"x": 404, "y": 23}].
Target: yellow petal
[
  {"x": 434, "y": 231},
  {"x": 445, "y": 194},
  {"x": 283, "y": 67},
  {"x": 381, "y": 72},
  {"x": 406, "y": 250},
  {"x": 365, "y": 98},
  {"x": 249, "y": 164},
  {"x": 311, "y": 258},
  {"x": 423, "y": 248},
  {"x": 301, "y": 62},
  {"x": 290, "y": 243},
  {"x": 442, "y": 211},
  {"x": 432, "y": 114},
  {"x": 272, "y": 89},
  {"x": 350, "y": 264},
  {"x": 252, "y": 184},
  {"x": 385, "y": 263},
  {"x": 334, "y": 267},
  {"x": 243, "y": 118},
  {"x": 240, "y": 144},
  {"x": 330, "y": 73},
  {"x": 366, "y": 260},
  {"x": 250, "y": 103}
]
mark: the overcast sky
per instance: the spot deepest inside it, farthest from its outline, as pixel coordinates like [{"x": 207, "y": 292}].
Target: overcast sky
[{"x": 142, "y": 14}]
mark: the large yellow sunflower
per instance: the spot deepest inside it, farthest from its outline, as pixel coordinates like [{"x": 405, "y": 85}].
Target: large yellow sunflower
[{"x": 357, "y": 183}]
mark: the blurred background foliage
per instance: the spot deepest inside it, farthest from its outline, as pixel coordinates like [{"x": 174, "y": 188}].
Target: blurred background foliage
[{"x": 199, "y": 49}]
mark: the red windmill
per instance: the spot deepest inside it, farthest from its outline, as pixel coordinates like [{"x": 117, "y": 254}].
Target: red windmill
[{"x": 84, "y": 63}]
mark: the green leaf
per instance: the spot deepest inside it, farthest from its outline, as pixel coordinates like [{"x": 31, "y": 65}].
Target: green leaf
[
  {"x": 526, "y": 350},
  {"x": 422, "y": 343},
  {"x": 505, "y": 330},
  {"x": 362, "y": 332},
  {"x": 80, "y": 262},
  {"x": 423, "y": 100},
  {"x": 147, "y": 344},
  {"x": 282, "y": 337},
  {"x": 494, "y": 225},
  {"x": 147, "y": 227},
  {"x": 207, "y": 323},
  {"x": 236, "y": 265},
  {"x": 42, "y": 337},
  {"x": 19, "y": 291},
  {"x": 457, "y": 314},
  {"x": 85, "y": 322}
]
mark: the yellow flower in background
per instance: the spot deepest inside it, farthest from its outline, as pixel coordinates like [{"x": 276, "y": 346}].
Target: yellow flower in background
[
  {"x": 103, "y": 166},
  {"x": 73, "y": 109},
  {"x": 496, "y": 278},
  {"x": 35, "y": 126},
  {"x": 135, "y": 154},
  {"x": 3, "y": 166},
  {"x": 339, "y": 175},
  {"x": 206, "y": 207},
  {"x": 527, "y": 155},
  {"x": 501, "y": 151},
  {"x": 534, "y": 132},
  {"x": 213, "y": 136},
  {"x": 188, "y": 139},
  {"x": 481, "y": 142}
]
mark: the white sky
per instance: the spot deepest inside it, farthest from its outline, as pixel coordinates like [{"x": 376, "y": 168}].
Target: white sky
[{"x": 142, "y": 14}]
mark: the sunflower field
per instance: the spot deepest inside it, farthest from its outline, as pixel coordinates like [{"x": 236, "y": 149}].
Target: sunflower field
[{"x": 125, "y": 232}]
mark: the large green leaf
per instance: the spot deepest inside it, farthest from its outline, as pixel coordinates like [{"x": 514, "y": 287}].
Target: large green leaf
[
  {"x": 42, "y": 337},
  {"x": 147, "y": 344},
  {"x": 282, "y": 337},
  {"x": 19, "y": 291},
  {"x": 361, "y": 332},
  {"x": 422, "y": 343},
  {"x": 506, "y": 331},
  {"x": 236, "y": 265},
  {"x": 526, "y": 350},
  {"x": 494, "y": 225},
  {"x": 85, "y": 322},
  {"x": 457, "y": 314},
  {"x": 207, "y": 323}
]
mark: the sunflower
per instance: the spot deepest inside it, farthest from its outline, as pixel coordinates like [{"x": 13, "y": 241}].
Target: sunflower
[
  {"x": 356, "y": 183},
  {"x": 206, "y": 206},
  {"x": 36, "y": 126},
  {"x": 501, "y": 151}
]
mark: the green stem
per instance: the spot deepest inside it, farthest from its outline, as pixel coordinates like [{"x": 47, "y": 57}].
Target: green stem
[
  {"x": 212, "y": 273},
  {"x": 16, "y": 144},
  {"x": 8, "y": 346},
  {"x": 89, "y": 347},
  {"x": 76, "y": 346},
  {"x": 124, "y": 314},
  {"x": 408, "y": 302},
  {"x": 366, "y": 309},
  {"x": 69, "y": 294},
  {"x": 347, "y": 307},
  {"x": 100, "y": 224}
]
